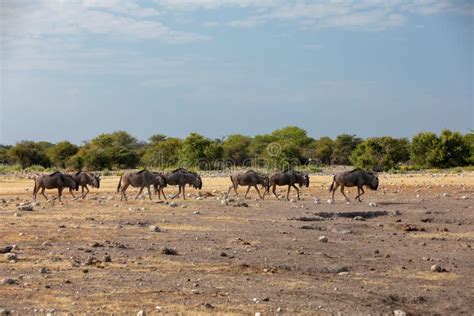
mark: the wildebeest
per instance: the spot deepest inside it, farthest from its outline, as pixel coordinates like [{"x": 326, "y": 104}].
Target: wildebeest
[
  {"x": 356, "y": 177},
  {"x": 289, "y": 178},
  {"x": 181, "y": 177},
  {"x": 141, "y": 179},
  {"x": 250, "y": 179},
  {"x": 84, "y": 178},
  {"x": 55, "y": 180}
]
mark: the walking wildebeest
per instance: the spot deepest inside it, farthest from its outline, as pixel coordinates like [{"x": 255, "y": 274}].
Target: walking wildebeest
[
  {"x": 356, "y": 177},
  {"x": 141, "y": 179},
  {"x": 55, "y": 180},
  {"x": 251, "y": 179},
  {"x": 84, "y": 178},
  {"x": 289, "y": 178},
  {"x": 181, "y": 177}
]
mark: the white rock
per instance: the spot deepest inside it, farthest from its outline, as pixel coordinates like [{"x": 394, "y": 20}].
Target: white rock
[
  {"x": 330, "y": 201},
  {"x": 173, "y": 204},
  {"x": 323, "y": 239},
  {"x": 141, "y": 313},
  {"x": 446, "y": 194},
  {"x": 373, "y": 204},
  {"x": 399, "y": 313}
]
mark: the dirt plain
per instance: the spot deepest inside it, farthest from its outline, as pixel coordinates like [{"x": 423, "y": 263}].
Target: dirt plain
[{"x": 242, "y": 260}]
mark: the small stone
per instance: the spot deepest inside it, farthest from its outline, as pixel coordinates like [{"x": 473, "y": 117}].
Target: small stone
[
  {"x": 359, "y": 218},
  {"x": 154, "y": 228},
  {"x": 464, "y": 197},
  {"x": 8, "y": 281},
  {"x": 44, "y": 270},
  {"x": 199, "y": 198},
  {"x": 446, "y": 194},
  {"x": 11, "y": 256},
  {"x": 399, "y": 313},
  {"x": 27, "y": 207},
  {"x": 323, "y": 239},
  {"x": 4, "y": 312},
  {"x": 224, "y": 202},
  {"x": 316, "y": 201},
  {"x": 373, "y": 204},
  {"x": 330, "y": 201},
  {"x": 173, "y": 204},
  {"x": 184, "y": 206},
  {"x": 196, "y": 212},
  {"x": 436, "y": 268},
  {"x": 107, "y": 258},
  {"x": 292, "y": 201},
  {"x": 141, "y": 313}
]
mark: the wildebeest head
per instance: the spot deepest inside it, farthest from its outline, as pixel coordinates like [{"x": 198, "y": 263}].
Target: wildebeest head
[
  {"x": 96, "y": 181},
  {"x": 197, "y": 182},
  {"x": 303, "y": 179},
  {"x": 374, "y": 184}
]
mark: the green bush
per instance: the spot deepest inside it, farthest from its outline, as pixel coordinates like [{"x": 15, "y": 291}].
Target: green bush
[{"x": 380, "y": 153}]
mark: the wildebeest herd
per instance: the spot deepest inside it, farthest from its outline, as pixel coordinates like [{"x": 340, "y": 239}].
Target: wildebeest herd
[{"x": 181, "y": 177}]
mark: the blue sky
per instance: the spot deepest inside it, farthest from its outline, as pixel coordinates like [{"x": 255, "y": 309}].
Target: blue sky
[{"x": 75, "y": 69}]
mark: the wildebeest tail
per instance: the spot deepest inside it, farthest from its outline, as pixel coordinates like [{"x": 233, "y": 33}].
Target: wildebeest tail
[
  {"x": 332, "y": 184},
  {"x": 119, "y": 184}
]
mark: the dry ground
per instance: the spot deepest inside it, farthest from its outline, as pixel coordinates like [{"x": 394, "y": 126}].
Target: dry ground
[{"x": 242, "y": 259}]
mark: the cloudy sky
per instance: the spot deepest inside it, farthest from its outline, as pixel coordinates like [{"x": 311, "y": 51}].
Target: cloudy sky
[{"x": 74, "y": 69}]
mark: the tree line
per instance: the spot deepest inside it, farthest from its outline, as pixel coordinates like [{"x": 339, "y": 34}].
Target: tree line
[{"x": 286, "y": 147}]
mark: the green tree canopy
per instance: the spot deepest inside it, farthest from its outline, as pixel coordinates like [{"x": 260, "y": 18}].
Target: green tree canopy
[{"x": 380, "y": 153}]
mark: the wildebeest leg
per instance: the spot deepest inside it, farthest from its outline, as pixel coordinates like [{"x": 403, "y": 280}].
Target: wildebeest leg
[
  {"x": 149, "y": 193},
  {"x": 246, "y": 193},
  {"x": 297, "y": 190},
  {"x": 235, "y": 189},
  {"x": 163, "y": 192},
  {"x": 184, "y": 192},
  {"x": 60, "y": 192},
  {"x": 274, "y": 193},
  {"x": 70, "y": 191},
  {"x": 342, "y": 191},
  {"x": 228, "y": 191},
  {"x": 86, "y": 192},
  {"x": 42, "y": 193},
  {"x": 139, "y": 192},
  {"x": 334, "y": 191},
  {"x": 288, "y": 193},
  {"x": 258, "y": 191},
  {"x": 177, "y": 194},
  {"x": 359, "y": 194},
  {"x": 123, "y": 192}
]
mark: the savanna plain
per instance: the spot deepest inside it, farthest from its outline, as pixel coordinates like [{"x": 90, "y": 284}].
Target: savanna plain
[{"x": 409, "y": 250}]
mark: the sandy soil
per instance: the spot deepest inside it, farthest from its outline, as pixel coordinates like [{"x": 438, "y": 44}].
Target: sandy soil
[{"x": 242, "y": 259}]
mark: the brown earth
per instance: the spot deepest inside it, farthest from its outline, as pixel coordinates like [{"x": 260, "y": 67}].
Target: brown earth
[{"x": 242, "y": 259}]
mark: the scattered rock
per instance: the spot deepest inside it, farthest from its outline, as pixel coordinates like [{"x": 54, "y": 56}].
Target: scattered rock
[
  {"x": 6, "y": 249},
  {"x": 359, "y": 218},
  {"x": 437, "y": 268},
  {"x": 169, "y": 251},
  {"x": 11, "y": 256},
  {"x": 373, "y": 204},
  {"x": 44, "y": 270},
  {"x": 330, "y": 201},
  {"x": 141, "y": 313},
  {"x": 224, "y": 202},
  {"x": 241, "y": 204},
  {"x": 317, "y": 201},
  {"x": 107, "y": 258},
  {"x": 399, "y": 313},
  {"x": 8, "y": 281},
  {"x": 4, "y": 312},
  {"x": 446, "y": 194},
  {"x": 196, "y": 212},
  {"x": 323, "y": 239},
  {"x": 154, "y": 228},
  {"x": 27, "y": 207},
  {"x": 184, "y": 206},
  {"x": 173, "y": 204}
]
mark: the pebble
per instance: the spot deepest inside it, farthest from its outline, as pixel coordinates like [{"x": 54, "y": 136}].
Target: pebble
[
  {"x": 173, "y": 204},
  {"x": 436, "y": 268},
  {"x": 154, "y": 228},
  {"x": 445, "y": 194},
  {"x": 11, "y": 256},
  {"x": 359, "y": 218},
  {"x": 399, "y": 313},
  {"x": 224, "y": 202},
  {"x": 107, "y": 258},
  {"x": 8, "y": 281},
  {"x": 330, "y": 201},
  {"x": 27, "y": 208},
  {"x": 4, "y": 312},
  {"x": 141, "y": 313},
  {"x": 373, "y": 204},
  {"x": 323, "y": 239}
]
